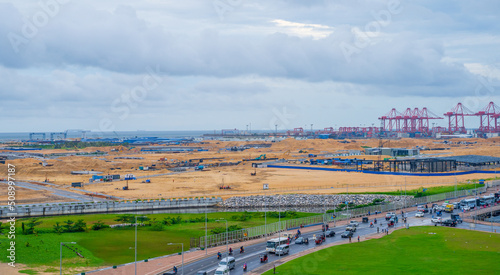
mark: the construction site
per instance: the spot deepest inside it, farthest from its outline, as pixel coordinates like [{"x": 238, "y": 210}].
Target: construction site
[{"x": 216, "y": 168}]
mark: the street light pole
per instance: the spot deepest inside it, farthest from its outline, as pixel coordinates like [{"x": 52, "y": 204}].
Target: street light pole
[
  {"x": 206, "y": 228},
  {"x": 135, "y": 251},
  {"x": 182, "y": 254},
  {"x": 227, "y": 241},
  {"x": 279, "y": 228},
  {"x": 60, "y": 255},
  {"x": 347, "y": 187},
  {"x": 265, "y": 217}
]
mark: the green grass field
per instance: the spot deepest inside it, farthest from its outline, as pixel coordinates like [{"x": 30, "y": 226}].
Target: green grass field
[
  {"x": 429, "y": 191},
  {"x": 113, "y": 246},
  {"x": 419, "y": 250}
]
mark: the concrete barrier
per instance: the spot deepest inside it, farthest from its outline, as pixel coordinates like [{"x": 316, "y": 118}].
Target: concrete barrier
[{"x": 40, "y": 210}]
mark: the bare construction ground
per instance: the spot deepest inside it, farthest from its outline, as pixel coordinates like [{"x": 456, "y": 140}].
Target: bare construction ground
[{"x": 239, "y": 178}]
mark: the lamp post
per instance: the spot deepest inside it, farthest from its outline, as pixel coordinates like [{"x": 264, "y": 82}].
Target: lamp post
[
  {"x": 206, "y": 228},
  {"x": 60, "y": 255},
  {"x": 182, "y": 253},
  {"x": 279, "y": 228},
  {"x": 265, "y": 217},
  {"x": 347, "y": 188},
  {"x": 135, "y": 250},
  {"x": 475, "y": 203},
  {"x": 227, "y": 242}
]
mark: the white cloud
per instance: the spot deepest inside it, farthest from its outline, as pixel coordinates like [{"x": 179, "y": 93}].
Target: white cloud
[
  {"x": 316, "y": 31},
  {"x": 239, "y": 69}
]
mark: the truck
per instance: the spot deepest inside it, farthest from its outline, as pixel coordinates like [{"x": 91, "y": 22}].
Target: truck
[
  {"x": 449, "y": 208},
  {"x": 456, "y": 218}
]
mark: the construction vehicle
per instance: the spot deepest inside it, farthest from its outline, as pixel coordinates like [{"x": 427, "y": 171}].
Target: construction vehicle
[
  {"x": 261, "y": 157},
  {"x": 449, "y": 208},
  {"x": 254, "y": 172}
]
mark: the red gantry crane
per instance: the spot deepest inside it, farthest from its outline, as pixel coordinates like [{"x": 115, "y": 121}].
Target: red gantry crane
[
  {"x": 456, "y": 116},
  {"x": 488, "y": 118}
]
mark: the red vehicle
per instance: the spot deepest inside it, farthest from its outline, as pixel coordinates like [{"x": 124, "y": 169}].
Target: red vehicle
[
  {"x": 263, "y": 258},
  {"x": 320, "y": 239}
]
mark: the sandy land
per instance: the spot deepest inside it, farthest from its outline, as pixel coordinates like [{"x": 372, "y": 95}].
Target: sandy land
[{"x": 201, "y": 183}]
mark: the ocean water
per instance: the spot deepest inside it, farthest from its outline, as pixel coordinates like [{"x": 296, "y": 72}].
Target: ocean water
[{"x": 116, "y": 134}]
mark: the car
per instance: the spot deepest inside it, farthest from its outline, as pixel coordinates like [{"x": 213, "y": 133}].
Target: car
[
  {"x": 421, "y": 208},
  {"x": 222, "y": 270},
  {"x": 351, "y": 228},
  {"x": 449, "y": 222},
  {"x": 346, "y": 234},
  {"x": 282, "y": 250},
  {"x": 330, "y": 233},
  {"x": 202, "y": 272},
  {"x": 437, "y": 220},
  {"x": 419, "y": 214},
  {"x": 466, "y": 208},
  {"x": 299, "y": 240},
  {"x": 389, "y": 215},
  {"x": 354, "y": 223},
  {"x": 229, "y": 262}
]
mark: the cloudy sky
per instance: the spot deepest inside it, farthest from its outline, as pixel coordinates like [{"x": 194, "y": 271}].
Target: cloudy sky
[{"x": 204, "y": 64}]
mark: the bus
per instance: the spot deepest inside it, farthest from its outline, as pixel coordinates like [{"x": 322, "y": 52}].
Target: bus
[
  {"x": 471, "y": 203},
  {"x": 485, "y": 200},
  {"x": 273, "y": 243}
]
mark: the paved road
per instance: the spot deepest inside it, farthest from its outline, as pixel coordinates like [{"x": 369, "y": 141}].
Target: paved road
[
  {"x": 56, "y": 192},
  {"x": 252, "y": 258}
]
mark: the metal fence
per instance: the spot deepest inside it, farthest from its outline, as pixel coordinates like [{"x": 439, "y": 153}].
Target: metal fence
[{"x": 271, "y": 228}]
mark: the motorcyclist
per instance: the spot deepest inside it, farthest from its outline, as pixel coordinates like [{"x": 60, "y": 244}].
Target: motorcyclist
[
  {"x": 219, "y": 255},
  {"x": 375, "y": 220},
  {"x": 175, "y": 269},
  {"x": 230, "y": 251},
  {"x": 242, "y": 249},
  {"x": 371, "y": 224},
  {"x": 298, "y": 232},
  {"x": 245, "y": 267}
]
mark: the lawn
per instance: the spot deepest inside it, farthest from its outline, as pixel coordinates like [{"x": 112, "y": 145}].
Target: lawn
[
  {"x": 429, "y": 190},
  {"x": 113, "y": 246},
  {"x": 419, "y": 250}
]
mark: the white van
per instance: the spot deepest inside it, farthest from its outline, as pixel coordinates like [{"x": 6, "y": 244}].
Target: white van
[
  {"x": 222, "y": 270},
  {"x": 283, "y": 249},
  {"x": 228, "y": 262}
]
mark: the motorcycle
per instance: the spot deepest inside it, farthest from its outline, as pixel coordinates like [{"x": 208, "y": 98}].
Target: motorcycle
[
  {"x": 263, "y": 258},
  {"x": 242, "y": 250}
]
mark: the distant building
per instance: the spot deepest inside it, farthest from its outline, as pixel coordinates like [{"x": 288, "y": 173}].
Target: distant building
[{"x": 393, "y": 152}]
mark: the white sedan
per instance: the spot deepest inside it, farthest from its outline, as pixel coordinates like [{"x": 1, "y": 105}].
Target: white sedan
[
  {"x": 437, "y": 220},
  {"x": 419, "y": 214},
  {"x": 466, "y": 208}
]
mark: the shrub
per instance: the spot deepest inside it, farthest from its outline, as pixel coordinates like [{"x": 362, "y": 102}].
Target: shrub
[{"x": 99, "y": 225}]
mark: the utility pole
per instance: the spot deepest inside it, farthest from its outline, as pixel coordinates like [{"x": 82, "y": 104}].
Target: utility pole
[
  {"x": 279, "y": 221},
  {"x": 405, "y": 192},
  {"x": 347, "y": 187},
  {"x": 265, "y": 217},
  {"x": 206, "y": 228}
]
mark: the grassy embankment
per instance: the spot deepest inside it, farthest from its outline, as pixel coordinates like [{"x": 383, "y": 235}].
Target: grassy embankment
[
  {"x": 112, "y": 246},
  {"x": 419, "y": 250}
]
